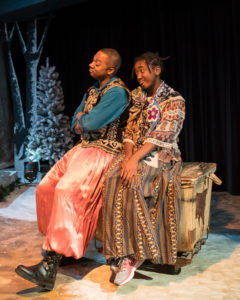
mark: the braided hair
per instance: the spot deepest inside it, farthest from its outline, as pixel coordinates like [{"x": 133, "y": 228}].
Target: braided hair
[{"x": 152, "y": 60}]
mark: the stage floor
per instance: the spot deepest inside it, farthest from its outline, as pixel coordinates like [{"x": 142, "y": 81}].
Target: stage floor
[{"x": 213, "y": 274}]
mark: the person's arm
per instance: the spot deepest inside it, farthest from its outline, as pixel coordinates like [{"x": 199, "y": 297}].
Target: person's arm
[
  {"x": 110, "y": 107},
  {"x": 131, "y": 128},
  {"x": 170, "y": 125},
  {"x": 80, "y": 108},
  {"x": 129, "y": 169},
  {"x": 128, "y": 149},
  {"x": 164, "y": 135},
  {"x": 77, "y": 128}
]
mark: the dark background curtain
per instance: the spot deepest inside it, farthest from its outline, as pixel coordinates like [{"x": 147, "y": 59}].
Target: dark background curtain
[
  {"x": 6, "y": 117},
  {"x": 202, "y": 39}
]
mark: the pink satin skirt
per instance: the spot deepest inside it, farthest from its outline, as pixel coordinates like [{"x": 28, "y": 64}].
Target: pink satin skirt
[{"x": 69, "y": 199}]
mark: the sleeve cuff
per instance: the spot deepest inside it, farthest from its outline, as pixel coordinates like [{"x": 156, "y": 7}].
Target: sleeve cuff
[
  {"x": 128, "y": 140},
  {"x": 81, "y": 123},
  {"x": 160, "y": 143}
]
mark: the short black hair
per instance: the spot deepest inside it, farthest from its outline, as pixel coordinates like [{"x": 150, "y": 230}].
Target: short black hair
[{"x": 114, "y": 56}]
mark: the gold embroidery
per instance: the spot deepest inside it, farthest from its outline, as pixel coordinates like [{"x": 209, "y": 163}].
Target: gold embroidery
[
  {"x": 172, "y": 221},
  {"x": 118, "y": 219},
  {"x": 108, "y": 138}
]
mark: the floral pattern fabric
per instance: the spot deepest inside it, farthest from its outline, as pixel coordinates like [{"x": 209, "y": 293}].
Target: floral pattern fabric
[
  {"x": 142, "y": 220},
  {"x": 158, "y": 121}
]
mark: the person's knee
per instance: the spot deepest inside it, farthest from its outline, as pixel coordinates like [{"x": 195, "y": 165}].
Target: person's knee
[{"x": 42, "y": 188}]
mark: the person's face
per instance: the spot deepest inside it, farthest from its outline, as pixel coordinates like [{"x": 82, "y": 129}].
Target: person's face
[
  {"x": 100, "y": 67},
  {"x": 147, "y": 79}
]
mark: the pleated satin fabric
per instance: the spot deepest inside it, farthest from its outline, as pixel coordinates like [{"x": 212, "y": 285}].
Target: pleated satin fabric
[{"x": 69, "y": 199}]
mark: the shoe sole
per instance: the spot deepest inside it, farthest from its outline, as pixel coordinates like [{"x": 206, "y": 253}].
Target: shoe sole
[
  {"x": 138, "y": 264},
  {"x": 22, "y": 274},
  {"x": 127, "y": 279}
]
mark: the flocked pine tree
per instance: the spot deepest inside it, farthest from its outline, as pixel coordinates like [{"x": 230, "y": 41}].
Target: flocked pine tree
[{"x": 49, "y": 137}]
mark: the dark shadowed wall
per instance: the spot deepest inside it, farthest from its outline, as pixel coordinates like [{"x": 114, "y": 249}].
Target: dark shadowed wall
[
  {"x": 6, "y": 118},
  {"x": 202, "y": 38}
]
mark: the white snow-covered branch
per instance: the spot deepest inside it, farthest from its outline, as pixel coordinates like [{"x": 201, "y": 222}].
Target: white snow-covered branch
[
  {"x": 11, "y": 32},
  {"x": 8, "y": 37},
  {"x": 44, "y": 35},
  {"x": 22, "y": 42}
]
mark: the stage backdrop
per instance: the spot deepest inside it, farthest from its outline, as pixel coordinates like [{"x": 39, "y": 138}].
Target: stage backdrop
[
  {"x": 202, "y": 39},
  {"x": 6, "y": 118}
]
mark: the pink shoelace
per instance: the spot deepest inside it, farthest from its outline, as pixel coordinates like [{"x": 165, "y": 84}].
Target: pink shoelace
[{"x": 125, "y": 263}]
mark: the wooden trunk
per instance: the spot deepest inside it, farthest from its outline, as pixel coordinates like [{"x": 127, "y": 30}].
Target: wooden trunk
[{"x": 196, "y": 191}]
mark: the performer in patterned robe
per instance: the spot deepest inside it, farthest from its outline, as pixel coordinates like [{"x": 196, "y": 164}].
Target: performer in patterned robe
[
  {"x": 69, "y": 197},
  {"x": 141, "y": 190}
]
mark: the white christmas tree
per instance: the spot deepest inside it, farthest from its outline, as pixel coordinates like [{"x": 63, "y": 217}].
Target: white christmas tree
[{"x": 49, "y": 136}]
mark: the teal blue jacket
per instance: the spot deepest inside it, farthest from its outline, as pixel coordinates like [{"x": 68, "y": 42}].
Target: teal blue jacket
[{"x": 110, "y": 107}]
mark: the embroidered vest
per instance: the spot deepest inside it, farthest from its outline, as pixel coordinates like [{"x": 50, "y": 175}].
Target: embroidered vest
[{"x": 109, "y": 138}]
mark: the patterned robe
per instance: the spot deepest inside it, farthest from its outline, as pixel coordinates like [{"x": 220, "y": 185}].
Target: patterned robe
[{"x": 142, "y": 220}]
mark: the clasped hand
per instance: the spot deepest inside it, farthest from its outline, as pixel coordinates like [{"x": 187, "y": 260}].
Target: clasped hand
[{"x": 78, "y": 128}]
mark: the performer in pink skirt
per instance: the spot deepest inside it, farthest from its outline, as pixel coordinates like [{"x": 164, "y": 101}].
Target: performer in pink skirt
[{"x": 69, "y": 197}]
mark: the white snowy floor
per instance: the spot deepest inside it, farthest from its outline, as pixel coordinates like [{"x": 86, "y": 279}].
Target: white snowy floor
[
  {"x": 214, "y": 273},
  {"x": 23, "y": 207}
]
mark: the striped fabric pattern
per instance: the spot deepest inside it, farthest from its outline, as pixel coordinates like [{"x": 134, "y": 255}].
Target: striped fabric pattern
[{"x": 142, "y": 220}]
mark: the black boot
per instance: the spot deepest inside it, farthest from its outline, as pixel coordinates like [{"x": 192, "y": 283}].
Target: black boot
[{"x": 44, "y": 273}]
